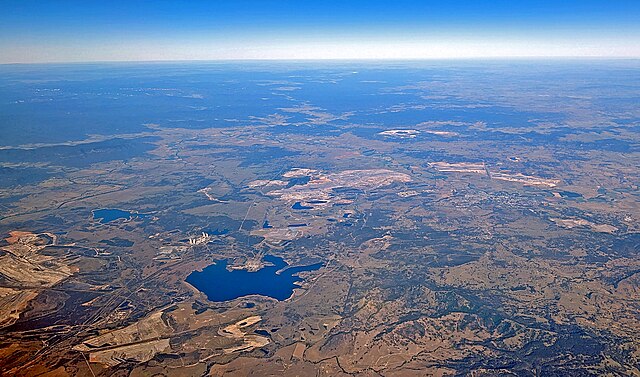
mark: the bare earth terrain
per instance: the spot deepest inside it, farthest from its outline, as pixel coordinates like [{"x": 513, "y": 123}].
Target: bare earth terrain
[{"x": 479, "y": 244}]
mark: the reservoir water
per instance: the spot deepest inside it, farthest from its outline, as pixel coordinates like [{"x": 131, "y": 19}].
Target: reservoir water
[
  {"x": 220, "y": 284},
  {"x": 298, "y": 205}
]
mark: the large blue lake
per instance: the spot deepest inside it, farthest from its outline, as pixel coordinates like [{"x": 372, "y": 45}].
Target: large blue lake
[
  {"x": 220, "y": 284},
  {"x": 106, "y": 215}
]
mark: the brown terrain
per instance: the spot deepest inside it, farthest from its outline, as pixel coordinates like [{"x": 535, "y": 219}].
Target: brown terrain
[{"x": 442, "y": 252}]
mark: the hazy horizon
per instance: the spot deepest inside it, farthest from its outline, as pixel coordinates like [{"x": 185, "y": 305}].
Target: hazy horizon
[{"x": 90, "y": 31}]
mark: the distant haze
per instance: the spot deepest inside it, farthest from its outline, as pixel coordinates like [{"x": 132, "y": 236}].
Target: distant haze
[{"x": 73, "y": 31}]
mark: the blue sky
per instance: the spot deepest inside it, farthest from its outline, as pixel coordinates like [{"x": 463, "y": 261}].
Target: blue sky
[{"x": 37, "y": 31}]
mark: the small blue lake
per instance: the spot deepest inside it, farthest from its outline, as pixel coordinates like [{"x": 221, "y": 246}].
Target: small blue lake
[
  {"x": 220, "y": 284},
  {"x": 298, "y": 205},
  {"x": 106, "y": 215}
]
